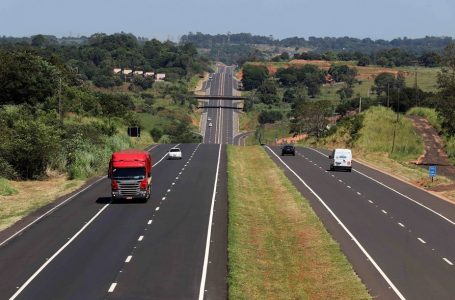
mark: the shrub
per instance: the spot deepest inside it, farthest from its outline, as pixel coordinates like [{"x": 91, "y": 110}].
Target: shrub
[{"x": 5, "y": 188}]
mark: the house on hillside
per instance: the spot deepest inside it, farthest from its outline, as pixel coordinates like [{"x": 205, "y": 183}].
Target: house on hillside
[
  {"x": 160, "y": 76},
  {"x": 117, "y": 70}
]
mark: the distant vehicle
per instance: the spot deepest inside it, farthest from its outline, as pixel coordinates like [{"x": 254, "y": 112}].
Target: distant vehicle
[
  {"x": 174, "y": 153},
  {"x": 209, "y": 119},
  {"x": 130, "y": 172},
  {"x": 288, "y": 150},
  {"x": 210, "y": 124},
  {"x": 341, "y": 160},
  {"x": 210, "y": 77}
]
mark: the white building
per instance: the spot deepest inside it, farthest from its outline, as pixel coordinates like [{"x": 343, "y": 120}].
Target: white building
[
  {"x": 117, "y": 70},
  {"x": 160, "y": 76}
]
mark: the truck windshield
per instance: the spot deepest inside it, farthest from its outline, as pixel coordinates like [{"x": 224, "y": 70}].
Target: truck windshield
[{"x": 128, "y": 173}]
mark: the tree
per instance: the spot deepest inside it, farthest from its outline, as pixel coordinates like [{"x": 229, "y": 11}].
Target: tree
[
  {"x": 311, "y": 117},
  {"x": 26, "y": 78},
  {"x": 254, "y": 76},
  {"x": 446, "y": 85},
  {"x": 267, "y": 92},
  {"x": 364, "y": 61},
  {"x": 383, "y": 83}
]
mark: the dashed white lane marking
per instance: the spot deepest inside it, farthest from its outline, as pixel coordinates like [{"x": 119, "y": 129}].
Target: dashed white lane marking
[
  {"x": 348, "y": 186},
  {"x": 112, "y": 287},
  {"x": 397, "y": 192},
  {"x": 370, "y": 201},
  {"x": 173, "y": 183},
  {"x": 149, "y": 222},
  {"x": 340, "y": 180},
  {"x": 140, "y": 238},
  {"x": 447, "y": 261},
  {"x": 401, "y": 224},
  {"x": 422, "y": 241},
  {"x": 333, "y": 175},
  {"x": 358, "y": 193},
  {"x": 168, "y": 190},
  {"x": 384, "y": 212},
  {"x": 157, "y": 209},
  {"x": 164, "y": 198},
  {"x": 128, "y": 259},
  {"x": 372, "y": 261}
]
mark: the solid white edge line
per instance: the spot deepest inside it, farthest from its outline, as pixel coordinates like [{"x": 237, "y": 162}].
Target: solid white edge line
[
  {"x": 392, "y": 189},
  {"x": 354, "y": 239},
  {"x": 57, "y": 253},
  {"x": 447, "y": 261},
  {"x": 49, "y": 211},
  {"x": 23, "y": 286},
  {"x": 112, "y": 287},
  {"x": 209, "y": 231}
]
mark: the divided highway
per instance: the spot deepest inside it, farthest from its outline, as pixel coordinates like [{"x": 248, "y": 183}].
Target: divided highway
[
  {"x": 220, "y": 114},
  {"x": 399, "y": 238},
  {"x": 172, "y": 247}
]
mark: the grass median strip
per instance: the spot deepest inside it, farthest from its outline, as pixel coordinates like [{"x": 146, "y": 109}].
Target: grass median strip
[{"x": 278, "y": 248}]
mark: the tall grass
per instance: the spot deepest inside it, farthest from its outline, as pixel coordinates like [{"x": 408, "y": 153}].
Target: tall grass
[
  {"x": 90, "y": 159},
  {"x": 430, "y": 114},
  {"x": 449, "y": 143},
  {"x": 378, "y": 130},
  {"x": 5, "y": 188}
]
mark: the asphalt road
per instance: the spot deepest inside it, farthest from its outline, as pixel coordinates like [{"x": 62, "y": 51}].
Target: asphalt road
[
  {"x": 219, "y": 113},
  {"x": 90, "y": 248},
  {"x": 399, "y": 238}
]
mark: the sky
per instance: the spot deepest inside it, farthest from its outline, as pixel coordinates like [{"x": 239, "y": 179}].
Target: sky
[{"x": 170, "y": 19}]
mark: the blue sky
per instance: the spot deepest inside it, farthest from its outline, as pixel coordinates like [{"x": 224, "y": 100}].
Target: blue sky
[{"x": 169, "y": 19}]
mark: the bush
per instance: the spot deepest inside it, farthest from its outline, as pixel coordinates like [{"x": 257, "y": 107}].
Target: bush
[
  {"x": 269, "y": 116},
  {"x": 449, "y": 143},
  {"x": 5, "y": 188}
]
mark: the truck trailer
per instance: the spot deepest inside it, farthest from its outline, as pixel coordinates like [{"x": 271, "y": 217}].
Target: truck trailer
[{"x": 130, "y": 172}]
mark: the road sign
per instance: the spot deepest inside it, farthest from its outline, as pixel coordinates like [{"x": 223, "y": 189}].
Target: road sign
[{"x": 432, "y": 171}]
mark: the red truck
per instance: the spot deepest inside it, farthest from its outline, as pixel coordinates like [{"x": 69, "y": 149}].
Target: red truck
[{"x": 130, "y": 172}]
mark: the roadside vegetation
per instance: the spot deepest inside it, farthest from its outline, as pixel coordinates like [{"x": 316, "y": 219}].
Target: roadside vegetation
[{"x": 277, "y": 247}]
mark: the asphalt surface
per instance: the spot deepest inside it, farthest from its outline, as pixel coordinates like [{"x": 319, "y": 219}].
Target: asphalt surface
[
  {"x": 220, "y": 113},
  {"x": 90, "y": 248},
  {"x": 407, "y": 235}
]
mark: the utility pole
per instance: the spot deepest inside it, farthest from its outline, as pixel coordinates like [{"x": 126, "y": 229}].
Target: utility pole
[
  {"x": 415, "y": 85},
  {"x": 388, "y": 94}
]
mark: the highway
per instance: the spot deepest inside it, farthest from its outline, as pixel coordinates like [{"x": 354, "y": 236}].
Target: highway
[
  {"x": 172, "y": 247},
  {"x": 221, "y": 118},
  {"x": 399, "y": 238}
]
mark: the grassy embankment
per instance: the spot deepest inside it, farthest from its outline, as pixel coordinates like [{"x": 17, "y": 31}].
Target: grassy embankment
[
  {"x": 278, "y": 248},
  {"x": 372, "y": 143}
]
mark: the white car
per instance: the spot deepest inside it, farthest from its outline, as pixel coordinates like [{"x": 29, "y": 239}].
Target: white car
[
  {"x": 209, "y": 119},
  {"x": 174, "y": 153},
  {"x": 210, "y": 124}
]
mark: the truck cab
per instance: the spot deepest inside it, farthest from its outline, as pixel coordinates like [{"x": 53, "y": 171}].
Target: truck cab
[{"x": 130, "y": 172}]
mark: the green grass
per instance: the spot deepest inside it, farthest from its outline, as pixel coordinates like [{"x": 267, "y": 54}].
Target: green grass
[
  {"x": 277, "y": 247},
  {"x": 377, "y": 132},
  {"x": 6, "y": 189},
  {"x": 430, "y": 114},
  {"x": 426, "y": 77}
]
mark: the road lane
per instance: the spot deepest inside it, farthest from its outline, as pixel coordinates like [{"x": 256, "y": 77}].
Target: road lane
[{"x": 372, "y": 213}]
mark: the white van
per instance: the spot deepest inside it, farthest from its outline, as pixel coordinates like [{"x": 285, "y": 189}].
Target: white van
[{"x": 341, "y": 160}]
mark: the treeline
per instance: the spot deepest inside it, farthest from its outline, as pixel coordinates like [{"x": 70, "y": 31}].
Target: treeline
[
  {"x": 394, "y": 57},
  {"x": 95, "y": 57},
  {"x": 320, "y": 44}
]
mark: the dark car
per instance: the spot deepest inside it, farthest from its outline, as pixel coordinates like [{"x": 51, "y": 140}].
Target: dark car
[{"x": 288, "y": 150}]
